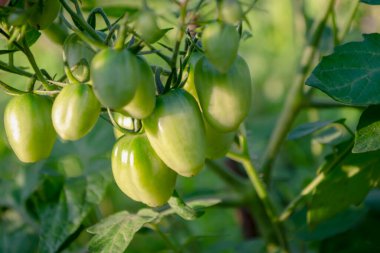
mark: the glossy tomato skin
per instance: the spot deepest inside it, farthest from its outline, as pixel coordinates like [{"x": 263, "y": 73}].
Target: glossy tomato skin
[
  {"x": 77, "y": 54},
  {"x": 75, "y": 111},
  {"x": 43, "y": 12},
  {"x": 124, "y": 121},
  {"x": 144, "y": 99},
  {"x": 140, "y": 173},
  {"x": 225, "y": 98},
  {"x": 175, "y": 130},
  {"x": 29, "y": 128},
  {"x": 220, "y": 43},
  {"x": 115, "y": 75}
]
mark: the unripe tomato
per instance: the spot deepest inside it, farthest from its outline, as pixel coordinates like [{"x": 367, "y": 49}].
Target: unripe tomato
[
  {"x": 29, "y": 128},
  {"x": 225, "y": 98},
  {"x": 75, "y": 51},
  {"x": 176, "y": 131},
  {"x": 144, "y": 99},
  {"x": 146, "y": 26},
  {"x": 43, "y": 12},
  {"x": 75, "y": 111},
  {"x": 140, "y": 173},
  {"x": 116, "y": 75},
  {"x": 231, "y": 11},
  {"x": 220, "y": 43},
  {"x": 217, "y": 143},
  {"x": 189, "y": 85}
]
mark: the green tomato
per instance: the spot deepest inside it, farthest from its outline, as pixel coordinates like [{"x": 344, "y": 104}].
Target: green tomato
[
  {"x": 231, "y": 11},
  {"x": 220, "y": 43},
  {"x": 146, "y": 26},
  {"x": 29, "y": 128},
  {"x": 43, "y": 12},
  {"x": 116, "y": 75},
  {"x": 140, "y": 173},
  {"x": 225, "y": 98},
  {"x": 144, "y": 99},
  {"x": 75, "y": 111},
  {"x": 78, "y": 56},
  {"x": 176, "y": 131},
  {"x": 217, "y": 143}
]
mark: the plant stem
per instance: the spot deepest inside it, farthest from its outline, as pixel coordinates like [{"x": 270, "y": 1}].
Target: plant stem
[
  {"x": 294, "y": 100},
  {"x": 349, "y": 21},
  {"x": 262, "y": 194},
  {"x": 32, "y": 62},
  {"x": 179, "y": 36},
  {"x": 80, "y": 20}
]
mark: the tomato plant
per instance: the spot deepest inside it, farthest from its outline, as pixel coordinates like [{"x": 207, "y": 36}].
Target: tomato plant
[
  {"x": 283, "y": 160},
  {"x": 29, "y": 128}
]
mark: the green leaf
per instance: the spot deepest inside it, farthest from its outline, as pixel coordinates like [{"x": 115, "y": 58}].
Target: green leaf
[
  {"x": 307, "y": 129},
  {"x": 333, "y": 135},
  {"x": 351, "y": 74},
  {"x": 330, "y": 227},
  {"x": 114, "y": 233},
  {"x": 372, "y": 2},
  {"x": 367, "y": 136},
  {"x": 346, "y": 184},
  {"x": 78, "y": 197}
]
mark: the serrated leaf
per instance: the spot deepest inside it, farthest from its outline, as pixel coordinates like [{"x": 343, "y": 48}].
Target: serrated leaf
[
  {"x": 351, "y": 74},
  {"x": 373, "y": 2},
  {"x": 77, "y": 198},
  {"x": 114, "y": 233},
  {"x": 307, "y": 129},
  {"x": 367, "y": 136},
  {"x": 345, "y": 185}
]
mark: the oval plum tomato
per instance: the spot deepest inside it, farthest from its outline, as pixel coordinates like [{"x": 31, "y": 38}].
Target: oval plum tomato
[
  {"x": 218, "y": 143},
  {"x": 75, "y": 111},
  {"x": 78, "y": 56},
  {"x": 225, "y": 98},
  {"x": 231, "y": 11},
  {"x": 146, "y": 26},
  {"x": 140, "y": 173},
  {"x": 115, "y": 75},
  {"x": 144, "y": 99},
  {"x": 29, "y": 128},
  {"x": 43, "y": 12},
  {"x": 220, "y": 43},
  {"x": 176, "y": 131}
]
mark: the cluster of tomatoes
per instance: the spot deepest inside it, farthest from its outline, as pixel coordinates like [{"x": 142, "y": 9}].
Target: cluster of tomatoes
[{"x": 180, "y": 127}]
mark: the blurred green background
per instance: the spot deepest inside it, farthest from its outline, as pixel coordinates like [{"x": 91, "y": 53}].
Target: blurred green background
[{"x": 280, "y": 30}]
